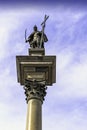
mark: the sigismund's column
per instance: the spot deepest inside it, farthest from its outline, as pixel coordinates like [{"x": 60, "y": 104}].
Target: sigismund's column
[
  {"x": 34, "y": 72},
  {"x": 35, "y": 93}
]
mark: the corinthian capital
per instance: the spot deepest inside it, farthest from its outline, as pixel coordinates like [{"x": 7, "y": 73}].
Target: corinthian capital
[{"x": 35, "y": 89}]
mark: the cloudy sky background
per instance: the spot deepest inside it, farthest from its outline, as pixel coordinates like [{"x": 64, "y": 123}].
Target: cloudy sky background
[{"x": 65, "y": 106}]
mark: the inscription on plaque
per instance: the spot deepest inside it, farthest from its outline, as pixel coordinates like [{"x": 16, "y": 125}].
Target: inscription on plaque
[{"x": 38, "y": 76}]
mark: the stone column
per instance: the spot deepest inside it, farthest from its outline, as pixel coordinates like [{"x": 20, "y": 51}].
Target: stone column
[{"x": 35, "y": 92}]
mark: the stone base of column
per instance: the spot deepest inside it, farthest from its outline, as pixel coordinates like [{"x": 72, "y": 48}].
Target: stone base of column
[{"x": 36, "y": 51}]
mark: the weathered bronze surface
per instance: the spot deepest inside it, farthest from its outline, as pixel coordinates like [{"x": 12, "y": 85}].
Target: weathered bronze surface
[{"x": 37, "y": 38}]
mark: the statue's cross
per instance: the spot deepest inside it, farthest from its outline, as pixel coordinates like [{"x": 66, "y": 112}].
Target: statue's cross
[
  {"x": 43, "y": 26},
  {"x": 45, "y": 18}
]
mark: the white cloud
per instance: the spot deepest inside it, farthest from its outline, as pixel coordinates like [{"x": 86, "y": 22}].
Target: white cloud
[{"x": 72, "y": 121}]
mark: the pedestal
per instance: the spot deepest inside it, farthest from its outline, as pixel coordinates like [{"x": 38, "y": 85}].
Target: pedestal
[{"x": 37, "y": 52}]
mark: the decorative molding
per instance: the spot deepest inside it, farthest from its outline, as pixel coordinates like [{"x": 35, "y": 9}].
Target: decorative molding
[{"x": 35, "y": 89}]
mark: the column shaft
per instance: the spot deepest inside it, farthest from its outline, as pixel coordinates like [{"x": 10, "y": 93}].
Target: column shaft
[{"x": 34, "y": 115}]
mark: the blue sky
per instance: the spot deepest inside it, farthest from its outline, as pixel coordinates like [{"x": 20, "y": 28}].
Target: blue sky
[
  {"x": 44, "y": 1},
  {"x": 65, "y": 106}
]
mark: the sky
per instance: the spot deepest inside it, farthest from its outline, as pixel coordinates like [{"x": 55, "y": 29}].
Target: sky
[
  {"x": 65, "y": 105},
  {"x": 49, "y": 2}
]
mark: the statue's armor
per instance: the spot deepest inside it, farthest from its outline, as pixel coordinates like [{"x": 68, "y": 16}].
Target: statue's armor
[{"x": 36, "y": 38}]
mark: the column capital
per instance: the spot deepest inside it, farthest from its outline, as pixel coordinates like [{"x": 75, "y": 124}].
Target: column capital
[{"x": 35, "y": 90}]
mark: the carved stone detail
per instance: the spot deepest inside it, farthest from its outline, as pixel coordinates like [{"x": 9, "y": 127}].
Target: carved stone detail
[{"x": 35, "y": 89}]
